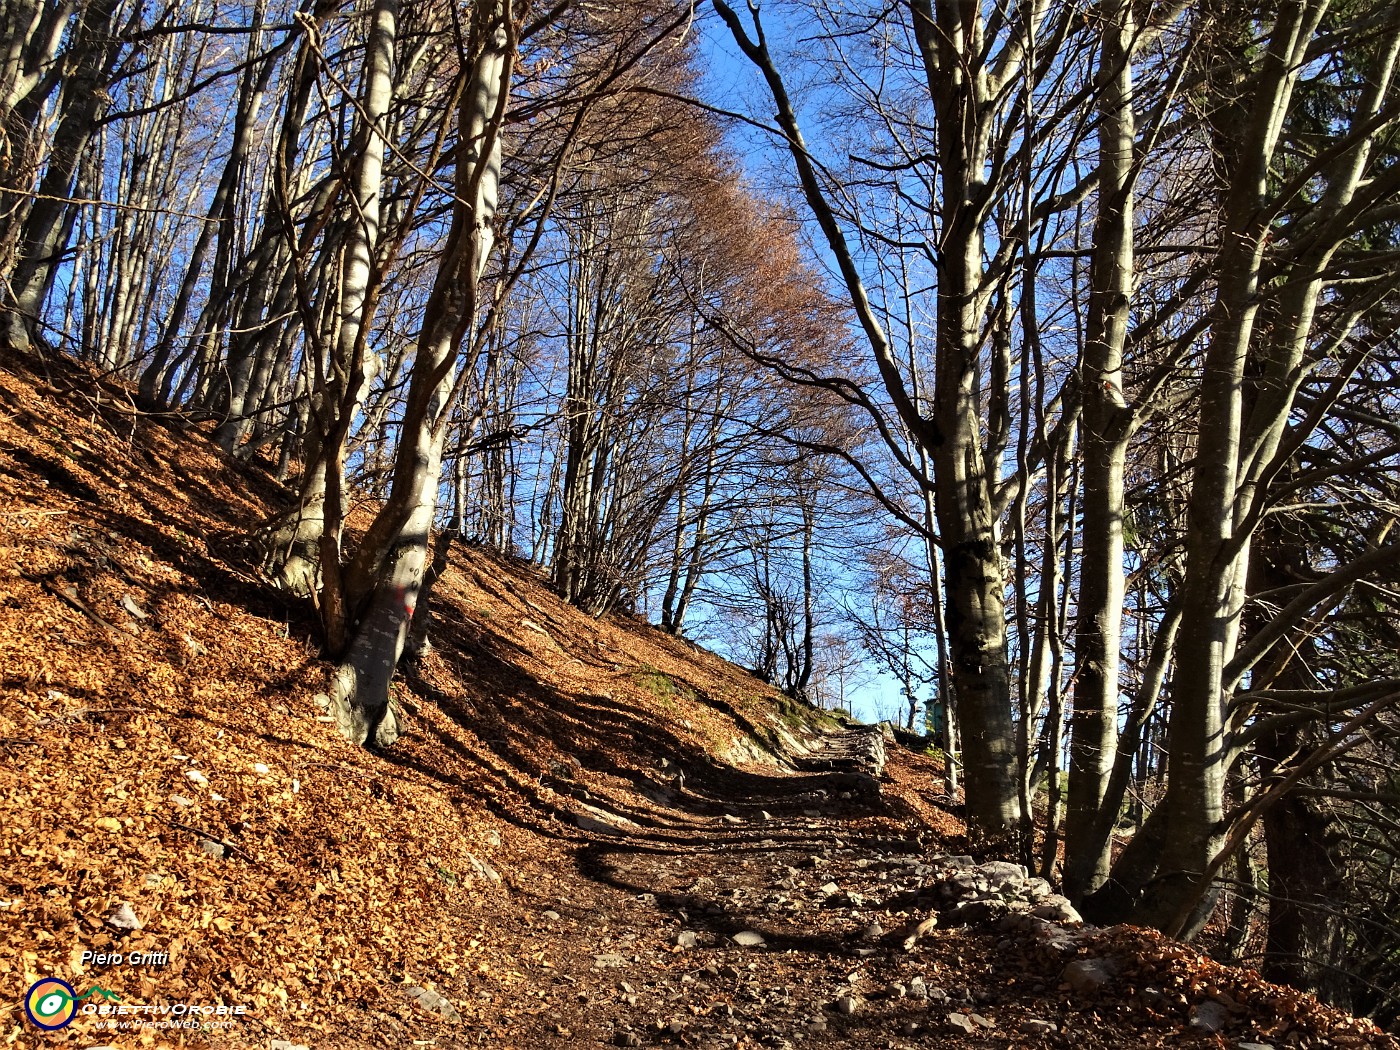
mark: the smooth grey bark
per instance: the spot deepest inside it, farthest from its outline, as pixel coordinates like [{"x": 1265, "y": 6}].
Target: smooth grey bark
[
  {"x": 155, "y": 380},
  {"x": 959, "y": 83},
  {"x": 379, "y": 589},
  {"x": 49, "y": 222},
  {"x": 1243, "y": 446},
  {"x": 1107, "y": 428},
  {"x": 965, "y": 95},
  {"x": 340, "y": 384},
  {"x": 31, "y": 36}
]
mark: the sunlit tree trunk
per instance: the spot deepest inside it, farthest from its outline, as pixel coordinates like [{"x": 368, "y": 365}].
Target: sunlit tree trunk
[
  {"x": 49, "y": 222},
  {"x": 375, "y": 596},
  {"x": 1094, "y": 725}
]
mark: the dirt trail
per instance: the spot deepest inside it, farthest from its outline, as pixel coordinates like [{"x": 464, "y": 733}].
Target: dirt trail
[{"x": 566, "y": 849}]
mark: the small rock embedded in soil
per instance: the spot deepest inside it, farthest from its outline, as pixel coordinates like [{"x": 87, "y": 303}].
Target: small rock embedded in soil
[
  {"x": 1210, "y": 1016},
  {"x": 484, "y": 869},
  {"x": 847, "y": 1005},
  {"x": 123, "y": 918},
  {"x": 432, "y": 1001},
  {"x": 748, "y": 939},
  {"x": 1089, "y": 975}
]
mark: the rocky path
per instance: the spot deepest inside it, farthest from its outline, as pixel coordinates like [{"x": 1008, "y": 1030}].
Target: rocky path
[{"x": 742, "y": 910}]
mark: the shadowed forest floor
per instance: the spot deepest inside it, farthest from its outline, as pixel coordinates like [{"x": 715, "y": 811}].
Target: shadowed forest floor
[{"x": 581, "y": 819}]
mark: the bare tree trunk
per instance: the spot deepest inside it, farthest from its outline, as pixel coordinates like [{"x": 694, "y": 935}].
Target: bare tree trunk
[
  {"x": 951, "y": 42},
  {"x": 949, "y": 38},
  {"x": 1107, "y": 422},
  {"x": 380, "y": 587},
  {"x": 155, "y": 378},
  {"x": 302, "y": 538},
  {"x": 50, "y": 220},
  {"x": 1240, "y": 452}
]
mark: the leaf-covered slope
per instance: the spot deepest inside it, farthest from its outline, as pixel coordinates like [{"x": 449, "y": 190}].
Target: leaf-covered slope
[
  {"x": 557, "y": 854},
  {"x": 156, "y": 708}
]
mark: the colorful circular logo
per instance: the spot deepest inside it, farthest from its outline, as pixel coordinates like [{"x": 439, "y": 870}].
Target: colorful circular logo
[{"x": 51, "y": 1004}]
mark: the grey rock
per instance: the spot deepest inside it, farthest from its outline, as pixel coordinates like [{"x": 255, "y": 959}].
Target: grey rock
[
  {"x": 608, "y": 960},
  {"x": 123, "y": 918},
  {"x": 182, "y": 801},
  {"x": 686, "y": 939},
  {"x": 551, "y": 915},
  {"x": 1038, "y": 1027},
  {"x": 433, "y": 1002},
  {"x": 1055, "y": 908},
  {"x": 209, "y": 847},
  {"x": 1210, "y": 1017},
  {"x": 1020, "y": 922},
  {"x": 830, "y": 889},
  {"x": 484, "y": 869},
  {"x": 1001, "y": 874},
  {"x": 627, "y": 1039},
  {"x": 152, "y": 880},
  {"x": 949, "y": 861},
  {"x": 847, "y": 1005},
  {"x": 977, "y": 913},
  {"x": 958, "y": 1020},
  {"x": 917, "y": 988},
  {"x": 748, "y": 939},
  {"x": 1089, "y": 975},
  {"x": 282, "y": 1044}
]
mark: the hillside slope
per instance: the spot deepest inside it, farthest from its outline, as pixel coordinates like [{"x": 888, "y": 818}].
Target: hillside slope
[{"x": 580, "y": 818}]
